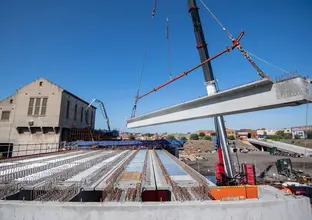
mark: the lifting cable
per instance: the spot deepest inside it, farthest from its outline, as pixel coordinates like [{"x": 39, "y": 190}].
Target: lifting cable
[
  {"x": 144, "y": 58},
  {"x": 270, "y": 64},
  {"x": 243, "y": 51},
  {"x": 228, "y": 49},
  {"x": 168, "y": 39}
]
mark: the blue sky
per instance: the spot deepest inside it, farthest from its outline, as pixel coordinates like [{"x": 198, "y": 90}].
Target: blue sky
[{"x": 95, "y": 50}]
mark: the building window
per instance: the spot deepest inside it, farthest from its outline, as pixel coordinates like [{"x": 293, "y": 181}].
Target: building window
[
  {"x": 40, "y": 83},
  {"x": 87, "y": 117},
  {"x": 31, "y": 106},
  {"x": 44, "y": 106},
  {"x": 81, "y": 115},
  {"x": 5, "y": 116},
  {"x": 75, "y": 114},
  {"x": 11, "y": 101},
  {"x": 67, "y": 110},
  {"x": 37, "y": 106},
  {"x": 91, "y": 118}
]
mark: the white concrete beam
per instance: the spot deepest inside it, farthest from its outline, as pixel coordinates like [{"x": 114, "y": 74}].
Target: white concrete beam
[
  {"x": 282, "y": 146},
  {"x": 260, "y": 95}
]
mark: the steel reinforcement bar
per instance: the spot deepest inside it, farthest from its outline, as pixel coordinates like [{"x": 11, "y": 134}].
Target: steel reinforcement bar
[
  {"x": 11, "y": 175},
  {"x": 203, "y": 190},
  {"x": 178, "y": 192},
  {"x": 95, "y": 176},
  {"x": 111, "y": 193}
]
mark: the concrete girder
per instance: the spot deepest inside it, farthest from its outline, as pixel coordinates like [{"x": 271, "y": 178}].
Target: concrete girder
[
  {"x": 282, "y": 146},
  {"x": 260, "y": 95}
]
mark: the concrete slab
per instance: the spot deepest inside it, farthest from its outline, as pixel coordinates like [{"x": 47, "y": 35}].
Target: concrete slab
[
  {"x": 57, "y": 169},
  {"x": 94, "y": 168},
  {"x": 159, "y": 178},
  {"x": 260, "y": 95},
  {"x": 101, "y": 184}
]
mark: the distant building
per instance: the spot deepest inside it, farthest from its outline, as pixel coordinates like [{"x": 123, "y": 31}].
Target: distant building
[
  {"x": 206, "y": 132},
  {"x": 264, "y": 132},
  {"x": 300, "y": 131},
  {"x": 261, "y": 132},
  {"x": 246, "y": 133},
  {"x": 229, "y": 132},
  {"x": 41, "y": 112}
]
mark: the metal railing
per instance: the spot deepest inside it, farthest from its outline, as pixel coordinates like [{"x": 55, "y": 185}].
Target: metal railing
[{"x": 31, "y": 149}]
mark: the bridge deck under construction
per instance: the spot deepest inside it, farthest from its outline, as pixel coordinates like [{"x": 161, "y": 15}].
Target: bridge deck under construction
[
  {"x": 129, "y": 184},
  {"x": 107, "y": 175}
]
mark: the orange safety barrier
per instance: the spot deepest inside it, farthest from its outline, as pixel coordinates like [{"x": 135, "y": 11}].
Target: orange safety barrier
[{"x": 234, "y": 192}]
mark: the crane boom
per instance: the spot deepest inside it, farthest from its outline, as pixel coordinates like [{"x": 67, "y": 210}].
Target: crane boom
[
  {"x": 223, "y": 149},
  {"x": 104, "y": 113}
]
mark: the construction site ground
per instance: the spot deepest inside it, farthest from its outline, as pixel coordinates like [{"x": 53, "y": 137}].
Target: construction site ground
[
  {"x": 300, "y": 142},
  {"x": 193, "y": 146},
  {"x": 261, "y": 160}
]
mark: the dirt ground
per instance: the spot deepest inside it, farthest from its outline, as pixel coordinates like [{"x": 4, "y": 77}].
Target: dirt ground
[
  {"x": 261, "y": 160},
  {"x": 303, "y": 143},
  {"x": 193, "y": 146}
]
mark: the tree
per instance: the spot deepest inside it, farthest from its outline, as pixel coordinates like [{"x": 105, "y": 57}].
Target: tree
[
  {"x": 273, "y": 137},
  {"x": 309, "y": 134},
  {"x": 201, "y": 134},
  {"x": 148, "y": 134},
  {"x": 213, "y": 134},
  {"x": 288, "y": 136},
  {"x": 183, "y": 138},
  {"x": 131, "y": 137},
  {"x": 170, "y": 137},
  {"x": 231, "y": 137},
  {"x": 280, "y": 133},
  {"x": 208, "y": 138},
  {"x": 194, "y": 137}
]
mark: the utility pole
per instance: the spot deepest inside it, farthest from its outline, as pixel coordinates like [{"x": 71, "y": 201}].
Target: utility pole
[{"x": 211, "y": 88}]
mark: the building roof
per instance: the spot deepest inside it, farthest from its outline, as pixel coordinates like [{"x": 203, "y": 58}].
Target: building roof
[
  {"x": 8, "y": 97},
  {"x": 64, "y": 90}
]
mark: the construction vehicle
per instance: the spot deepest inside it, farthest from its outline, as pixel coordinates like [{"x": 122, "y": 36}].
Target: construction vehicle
[
  {"x": 284, "y": 167},
  {"x": 104, "y": 113},
  {"x": 225, "y": 169},
  {"x": 113, "y": 133}
]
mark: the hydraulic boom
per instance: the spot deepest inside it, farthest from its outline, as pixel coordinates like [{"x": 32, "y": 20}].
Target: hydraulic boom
[{"x": 104, "y": 113}]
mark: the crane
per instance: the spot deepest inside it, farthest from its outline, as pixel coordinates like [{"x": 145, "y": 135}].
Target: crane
[
  {"x": 226, "y": 173},
  {"x": 225, "y": 167},
  {"x": 104, "y": 113}
]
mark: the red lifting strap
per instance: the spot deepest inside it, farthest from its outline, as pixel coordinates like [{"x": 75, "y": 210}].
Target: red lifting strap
[
  {"x": 200, "y": 46},
  {"x": 193, "y": 8}
]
